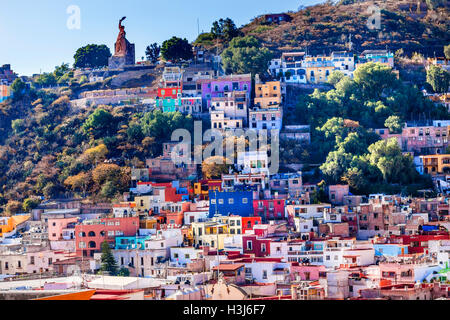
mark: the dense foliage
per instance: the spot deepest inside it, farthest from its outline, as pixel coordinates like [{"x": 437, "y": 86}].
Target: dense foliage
[
  {"x": 176, "y": 49},
  {"x": 245, "y": 55},
  {"x": 92, "y": 56},
  {"x": 370, "y": 98}
]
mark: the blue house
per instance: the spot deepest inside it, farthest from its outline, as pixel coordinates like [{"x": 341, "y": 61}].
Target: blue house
[
  {"x": 390, "y": 250},
  {"x": 238, "y": 203},
  {"x": 127, "y": 243}
]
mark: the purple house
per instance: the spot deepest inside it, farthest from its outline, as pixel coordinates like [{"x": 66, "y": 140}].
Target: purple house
[{"x": 216, "y": 87}]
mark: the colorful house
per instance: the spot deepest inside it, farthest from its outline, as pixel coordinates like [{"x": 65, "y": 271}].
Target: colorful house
[
  {"x": 202, "y": 188},
  {"x": 269, "y": 209},
  {"x": 318, "y": 68},
  {"x": 5, "y": 92},
  {"x": 384, "y": 57},
  {"x": 436, "y": 164},
  {"x": 236, "y": 203},
  {"x": 9, "y": 225},
  {"x": 216, "y": 87},
  {"x": 90, "y": 234},
  {"x": 268, "y": 94}
]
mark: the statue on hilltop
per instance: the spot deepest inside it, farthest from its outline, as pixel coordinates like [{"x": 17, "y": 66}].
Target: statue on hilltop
[
  {"x": 124, "y": 53},
  {"x": 121, "y": 43}
]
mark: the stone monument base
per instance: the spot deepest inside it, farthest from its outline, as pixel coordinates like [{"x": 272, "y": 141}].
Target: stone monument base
[{"x": 119, "y": 62}]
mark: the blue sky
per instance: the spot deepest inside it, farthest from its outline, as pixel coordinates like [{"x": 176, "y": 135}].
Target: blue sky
[{"x": 35, "y": 36}]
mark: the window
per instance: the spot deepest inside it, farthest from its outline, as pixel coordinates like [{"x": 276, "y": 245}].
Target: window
[
  {"x": 231, "y": 201},
  {"x": 110, "y": 233},
  {"x": 213, "y": 201},
  {"x": 220, "y": 201},
  {"x": 50, "y": 261},
  {"x": 249, "y": 245},
  {"x": 264, "y": 274},
  {"x": 6, "y": 266},
  {"x": 117, "y": 223},
  {"x": 263, "y": 247},
  {"x": 244, "y": 200},
  {"x": 32, "y": 260},
  {"x": 187, "y": 256},
  {"x": 82, "y": 245}
]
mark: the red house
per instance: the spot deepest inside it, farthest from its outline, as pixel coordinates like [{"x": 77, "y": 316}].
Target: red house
[
  {"x": 269, "y": 209},
  {"x": 172, "y": 93},
  {"x": 257, "y": 246},
  {"x": 418, "y": 244},
  {"x": 90, "y": 234},
  {"x": 249, "y": 222}
]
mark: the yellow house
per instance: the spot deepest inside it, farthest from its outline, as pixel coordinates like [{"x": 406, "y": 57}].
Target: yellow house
[
  {"x": 210, "y": 234},
  {"x": 233, "y": 223},
  {"x": 148, "y": 223},
  {"x": 268, "y": 94},
  {"x": 201, "y": 188},
  {"x": 436, "y": 164},
  {"x": 318, "y": 68},
  {"x": 9, "y": 224}
]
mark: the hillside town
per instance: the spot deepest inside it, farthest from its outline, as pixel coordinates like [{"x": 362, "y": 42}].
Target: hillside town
[{"x": 245, "y": 230}]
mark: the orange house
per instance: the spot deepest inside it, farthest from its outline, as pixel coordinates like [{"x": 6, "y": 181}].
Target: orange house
[{"x": 9, "y": 224}]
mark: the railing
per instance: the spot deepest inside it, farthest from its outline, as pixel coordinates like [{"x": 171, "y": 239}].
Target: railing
[{"x": 304, "y": 253}]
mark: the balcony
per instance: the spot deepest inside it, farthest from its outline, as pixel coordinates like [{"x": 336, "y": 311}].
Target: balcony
[{"x": 304, "y": 253}]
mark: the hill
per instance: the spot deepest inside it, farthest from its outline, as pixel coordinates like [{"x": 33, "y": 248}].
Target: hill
[{"x": 326, "y": 27}]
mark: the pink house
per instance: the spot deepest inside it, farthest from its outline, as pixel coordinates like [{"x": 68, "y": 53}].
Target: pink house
[
  {"x": 57, "y": 226},
  {"x": 337, "y": 193},
  {"x": 420, "y": 139},
  {"x": 306, "y": 272}
]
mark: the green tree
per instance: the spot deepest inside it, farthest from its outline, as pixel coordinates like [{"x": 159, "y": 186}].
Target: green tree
[
  {"x": 18, "y": 125},
  {"x": 395, "y": 167},
  {"x": 374, "y": 79},
  {"x": 108, "y": 263},
  {"x": 123, "y": 272},
  {"x": 224, "y": 29},
  {"x": 394, "y": 124},
  {"x": 438, "y": 78},
  {"x": 61, "y": 70},
  {"x": 109, "y": 190},
  {"x": 30, "y": 203},
  {"x": 92, "y": 56},
  {"x": 99, "y": 124},
  {"x": 246, "y": 55},
  {"x": 152, "y": 52},
  {"x": 18, "y": 88},
  {"x": 447, "y": 51},
  {"x": 335, "y": 77},
  {"x": 206, "y": 39},
  {"x": 46, "y": 80},
  {"x": 176, "y": 49}
]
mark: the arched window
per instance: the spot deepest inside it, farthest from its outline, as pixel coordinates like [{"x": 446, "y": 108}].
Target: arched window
[
  {"x": 102, "y": 233},
  {"x": 92, "y": 244},
  {"x": 82, "y": 234},
  {"x": 91, "y": 234}
]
